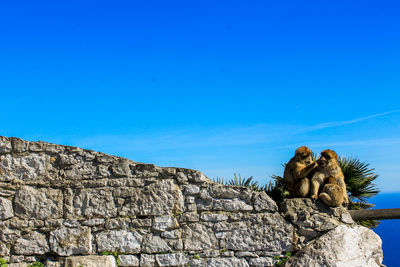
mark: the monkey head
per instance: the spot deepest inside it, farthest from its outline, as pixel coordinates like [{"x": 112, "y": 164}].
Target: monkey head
[
  {"x": 328, "y": 157},
  {"x": 303, "y": 154},
  {"x": 331, "y": 180}
]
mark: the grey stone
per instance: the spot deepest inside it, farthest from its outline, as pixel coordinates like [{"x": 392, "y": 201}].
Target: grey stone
[
  {"x": 26, "y": 167},
  {"x": 71, "y": 241},
  {"x": 6, "y": 209},
  {"x": 217, "y": 262},
  {"x": 91, "y": 261},
  {"x": 51, "y": 263},
  {"x": 197, "y": 237},
  {"x": 341, "y": 247},
  {"x": 190, "y": 217},
  {"x": 164, "y": 222},
  {"x": 147, "y": 260},
  {"x": 142, "y": 222},
  {"x": 4, "y": 250},
  {"x": 19, "y": 145},
  {"x": 154, "y": 244},
  {"x": 255, "y": 232},
  {"x": 172, "y": 259},
  {"x": 262, "y": 202},
  {"x": 31, "y": 244},
  {"x": 231, "y": 205},
  {"x": 119, "y": 241},
  {"x": 42, "y": 203},
  {"x": 118, "y": 223},
  {"x": 214, "y": 217},
  {"x": 262, "y": 261},
  {"x": 246, "y": 254},
  {"x": 5, "y": 145},
  {"x": 221, "y": 191},
  {"x": 121, "y": 168},
  {"x": 174, "y": 234},
  {"x": 89, "y": 203},
  {"x": 128, "y": 260},
  {"x": 346, "y": 218},
  {"x": 160, "y": 198},
  {"x": 9, "y": 235},
  {"x": 191, "y": 190},
  {"x": 93, "y": 222}
]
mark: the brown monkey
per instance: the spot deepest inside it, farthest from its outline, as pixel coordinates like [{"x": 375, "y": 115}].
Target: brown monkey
[
  {"x": 297, "y": 171},
  {"x": 332, "y": 193},
  {"x": 328, "y": 166}
]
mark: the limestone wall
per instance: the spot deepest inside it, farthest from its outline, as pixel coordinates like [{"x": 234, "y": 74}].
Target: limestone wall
[{"x": 59, "y": 204}]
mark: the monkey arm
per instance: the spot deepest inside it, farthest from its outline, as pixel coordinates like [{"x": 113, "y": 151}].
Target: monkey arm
[{"x": 303, "y": 172}]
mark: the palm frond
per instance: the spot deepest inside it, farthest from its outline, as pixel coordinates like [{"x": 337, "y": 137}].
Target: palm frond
[{"x": 237, "y": 180}]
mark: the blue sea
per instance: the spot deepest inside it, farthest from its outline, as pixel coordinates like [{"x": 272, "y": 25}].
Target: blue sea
[{"x": 389, "y": 230}]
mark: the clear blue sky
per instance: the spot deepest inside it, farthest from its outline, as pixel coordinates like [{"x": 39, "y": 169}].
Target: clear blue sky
[{"x": 218, "y": 86}]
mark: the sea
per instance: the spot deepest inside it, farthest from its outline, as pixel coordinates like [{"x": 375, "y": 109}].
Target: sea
[{"x": 389, "y": 230}]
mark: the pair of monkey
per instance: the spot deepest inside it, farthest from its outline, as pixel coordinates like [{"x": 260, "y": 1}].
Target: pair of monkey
[{"x": 303, "y": 176}]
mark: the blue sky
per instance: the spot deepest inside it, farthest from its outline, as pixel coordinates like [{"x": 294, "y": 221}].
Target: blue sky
[{"x": 220, "y": 86}]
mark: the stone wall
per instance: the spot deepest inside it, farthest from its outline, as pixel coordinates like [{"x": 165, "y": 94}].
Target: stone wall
[{"x": 67, "y": 206}]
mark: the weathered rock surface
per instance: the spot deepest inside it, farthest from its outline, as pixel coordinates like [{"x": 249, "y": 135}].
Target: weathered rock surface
[
  {"x": 68, "y": 205},
  {"x": 344, "y": 246},
  {"x": 38, "y": 203},
  {"x": 91, "y": 261},
  {"x": 119, "y": 241},
  {"x": 6, "y": 209},
  {"x": 31, "y": 244},
  {"x": 71, "y": 241}
]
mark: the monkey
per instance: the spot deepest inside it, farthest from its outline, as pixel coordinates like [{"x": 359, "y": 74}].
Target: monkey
[
  {"x": 332, "y": 193},
  {"x": 297, "y": 171},
  {"x": 328, "y": 166}
]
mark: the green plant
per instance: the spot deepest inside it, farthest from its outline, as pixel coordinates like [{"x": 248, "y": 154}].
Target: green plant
[
  {"x": 3, "y": 262},
  {"x": 359, "y": 178},
  {"x": 276, "y": 189},
  {"x": 196, "y": 257},
  {"x": 36, "y": 264},
  {"x": 282, "y": 259},
  {"x": 238, "y": 180}
]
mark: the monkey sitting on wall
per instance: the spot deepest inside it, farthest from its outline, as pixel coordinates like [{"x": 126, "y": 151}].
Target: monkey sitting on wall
[
  {"x": 297, "y": 171},
  {"x": 328, "y": 167},
  {"x": 332, "y": 193}
]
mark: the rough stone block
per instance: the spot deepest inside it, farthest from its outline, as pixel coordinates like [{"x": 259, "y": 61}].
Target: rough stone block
[
  {"x": 5, "y": 145},
  {"x": 147, "y": 260},
  {"x": 262, "y": 261},
  {"x": 197, "y": 237},
  {"x": 128, "y": 260},
  {"x": 6, "y": 209},
  {"x": 71, "y": 241},
  {"x": 269, "y": 232},
  {"x": 160, "y": 198},
  {"x": 154, "y": 244},
  {"x": 89, "y": 203},
  {"x": 227, "y": 262},
  {"x": 27, "y": 167},
  {"x": 31, "y": 244},
  {"x": 343, "y": 246},
  {"x": 42, "y": 203},
  {"x": 19, "y": 145},
  {"x": 172, "y": 259},
  {"x": 91, "y": 261},
  {"x": 119, "y": 241},
  {"x": 164, "y": 222}
]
